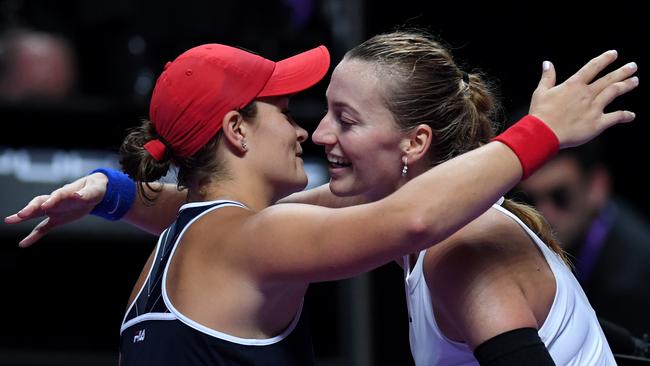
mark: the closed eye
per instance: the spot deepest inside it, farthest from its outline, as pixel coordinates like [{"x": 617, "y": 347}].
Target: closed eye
[
  {"x": 287, "y": 113},
  {"x": 346, "y": 120}
]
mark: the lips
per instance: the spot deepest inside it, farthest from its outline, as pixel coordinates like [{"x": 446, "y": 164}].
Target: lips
[{"x": 337, "y": 162}]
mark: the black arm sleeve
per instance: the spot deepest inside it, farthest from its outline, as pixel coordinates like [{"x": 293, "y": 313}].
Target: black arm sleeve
[{"x": 515, "y": 347}]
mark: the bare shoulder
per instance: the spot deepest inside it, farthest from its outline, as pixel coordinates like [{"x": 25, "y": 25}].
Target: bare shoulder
[
  {"x": 485, "y": 243},
  {"x": 220, "y": 241},
  {"x": 235, "y": 223},
  {"x": 216, "y": 232},
  {"x": 475, "y": 282}
]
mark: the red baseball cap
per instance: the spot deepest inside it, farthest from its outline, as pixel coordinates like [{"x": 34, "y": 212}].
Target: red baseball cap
[{"x": 198, "y": 88}]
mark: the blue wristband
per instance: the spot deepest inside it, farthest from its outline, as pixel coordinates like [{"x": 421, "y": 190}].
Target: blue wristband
[{"x": 119, "y": 197}]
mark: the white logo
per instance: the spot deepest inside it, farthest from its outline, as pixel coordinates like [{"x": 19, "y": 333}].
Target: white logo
[
  {"x": 117, "y": 205},
  {"x": 139, "y": 336}
]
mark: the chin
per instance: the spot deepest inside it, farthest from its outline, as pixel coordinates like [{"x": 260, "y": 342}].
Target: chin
[
  {"x": 300, "y": 183},
  {"x": 303, "y": 185},
  {"x": 342, "y": 189}
]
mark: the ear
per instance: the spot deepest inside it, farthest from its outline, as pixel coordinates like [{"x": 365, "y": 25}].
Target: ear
[
  {"x": 235, "y": 130},
  {"x": 416, "y": 143}
]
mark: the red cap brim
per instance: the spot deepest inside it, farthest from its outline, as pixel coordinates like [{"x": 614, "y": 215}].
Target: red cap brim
[{"x": 297, "y": 73}]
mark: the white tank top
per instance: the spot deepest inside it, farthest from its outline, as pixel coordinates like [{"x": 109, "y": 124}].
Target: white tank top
[{"x": 570, "y": 332}]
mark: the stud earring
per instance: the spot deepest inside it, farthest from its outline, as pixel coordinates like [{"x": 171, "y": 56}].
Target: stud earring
[
  {"x": 244, "y": 146},
  {"x": 405, "y": 169}
]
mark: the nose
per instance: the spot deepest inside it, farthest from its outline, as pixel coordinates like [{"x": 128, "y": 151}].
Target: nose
[
  {"x": 302, "y": 134},
  {"x": 324, "y": 134}
]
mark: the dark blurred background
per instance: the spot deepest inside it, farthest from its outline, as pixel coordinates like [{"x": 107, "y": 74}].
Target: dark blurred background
[{"x": 63, "y": 299}]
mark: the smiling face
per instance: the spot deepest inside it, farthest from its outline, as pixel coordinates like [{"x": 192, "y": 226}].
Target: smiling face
[
  {"x": 274, "y": 145},
  {"x": 399, "y": 96},
  {"x": 359, "y": 133}
]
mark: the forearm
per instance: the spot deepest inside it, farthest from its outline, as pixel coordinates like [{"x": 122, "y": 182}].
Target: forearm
[
  {"x": 314, "y": 244},
  {"x": 155, "y": 217},
  {"x": 454, "y": 193},
  {"x": 322, "y": 196}
]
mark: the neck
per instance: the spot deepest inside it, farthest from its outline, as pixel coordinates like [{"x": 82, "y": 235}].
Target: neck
[{"x": 251, "y": 195}]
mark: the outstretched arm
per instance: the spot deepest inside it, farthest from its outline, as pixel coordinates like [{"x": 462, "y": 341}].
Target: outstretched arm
[
  {"x": 310, "y": 243},
  {"x": 574, "y": 110},
  {"x": 77, "y": 199}
]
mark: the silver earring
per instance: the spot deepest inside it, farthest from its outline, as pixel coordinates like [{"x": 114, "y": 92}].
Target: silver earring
[
  {"x": 244, "y": 146},
  {"x": 405, "y": 169}
]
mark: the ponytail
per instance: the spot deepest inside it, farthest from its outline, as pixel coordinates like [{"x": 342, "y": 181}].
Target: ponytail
[
  {"x": 538, "y": 224},
  {"x": 139, "y": 164}
]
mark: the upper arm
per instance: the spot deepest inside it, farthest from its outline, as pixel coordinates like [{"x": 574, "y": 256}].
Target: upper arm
[{"x": 474, "y": 290}]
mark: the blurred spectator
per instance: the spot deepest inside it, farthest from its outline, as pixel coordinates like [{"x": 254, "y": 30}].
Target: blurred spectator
[
  {"x": 35, "y": 65},
  {"x": 607, "y": 240}
]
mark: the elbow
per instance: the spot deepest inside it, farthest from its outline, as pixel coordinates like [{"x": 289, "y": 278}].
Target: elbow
[{"x": 422, "y": 231}]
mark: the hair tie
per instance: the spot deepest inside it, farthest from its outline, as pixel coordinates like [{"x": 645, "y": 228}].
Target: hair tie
[{"x": 157, "y": 148}]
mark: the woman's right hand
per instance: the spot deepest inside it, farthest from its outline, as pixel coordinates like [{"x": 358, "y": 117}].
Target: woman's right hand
[
  {"x": 574, "y": 110},
  {"x": 66, "y": 204}
]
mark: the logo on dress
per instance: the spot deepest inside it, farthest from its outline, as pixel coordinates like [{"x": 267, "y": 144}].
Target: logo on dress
[{"x": 139, "y": 336}]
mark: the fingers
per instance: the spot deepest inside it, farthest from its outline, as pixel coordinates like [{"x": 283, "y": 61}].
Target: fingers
[
  {"x": 39, "y": 231},
  {"x": 32, "y": 210},
  {"x": 13, "y": 219},
  {"x": 615, "y": 76},
  {"x": 50, "y": 202},
  {"x": 588, "y": 72},
  {"x": 612, "y": 91},
  {"x": 548, "y": 76},
  {"x": 65, "y": 194},
  {"x": 612, "y": 118}
]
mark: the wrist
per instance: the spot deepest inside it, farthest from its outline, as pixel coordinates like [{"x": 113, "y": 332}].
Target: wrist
[
  {"x": 532, "y": 141},
  {"x": 119, "y": 196},
  {"x": 98, "y": 178}
]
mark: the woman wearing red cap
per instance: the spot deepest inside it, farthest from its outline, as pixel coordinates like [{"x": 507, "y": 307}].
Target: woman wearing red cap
[{"x": 230, "y": 273}]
